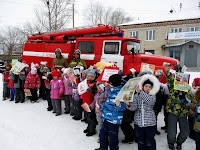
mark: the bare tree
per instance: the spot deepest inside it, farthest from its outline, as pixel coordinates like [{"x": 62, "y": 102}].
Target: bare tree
[
  {"x": 118, "y": 16},
  {"x": 55, "y": 14},
  {"x": 96, "y": 13},
  {"x": 11, "y": 41}
]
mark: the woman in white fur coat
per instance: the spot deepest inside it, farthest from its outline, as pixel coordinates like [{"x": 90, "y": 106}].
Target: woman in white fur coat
[{"x": 143, "y": 103}]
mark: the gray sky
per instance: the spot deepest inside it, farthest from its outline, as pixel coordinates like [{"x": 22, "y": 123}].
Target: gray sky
[{"x": 14, "y": 12}]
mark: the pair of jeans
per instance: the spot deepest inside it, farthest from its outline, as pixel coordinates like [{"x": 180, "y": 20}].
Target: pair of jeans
[
  {"x": 146, "y": 136},
  {"x": 109, "y": 130},
  {"x": 197, "y": 139},
  {"x": 172, "y": 129}
]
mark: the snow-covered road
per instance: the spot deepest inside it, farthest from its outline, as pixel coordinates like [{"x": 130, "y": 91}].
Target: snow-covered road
[{"x": 27, "y": 126}]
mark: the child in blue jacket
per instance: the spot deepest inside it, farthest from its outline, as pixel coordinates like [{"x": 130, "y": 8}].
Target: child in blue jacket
[{"x": 112, "y": 115}]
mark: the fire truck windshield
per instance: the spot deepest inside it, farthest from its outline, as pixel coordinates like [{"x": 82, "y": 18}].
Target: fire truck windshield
[{"x": 132, "y": 47}]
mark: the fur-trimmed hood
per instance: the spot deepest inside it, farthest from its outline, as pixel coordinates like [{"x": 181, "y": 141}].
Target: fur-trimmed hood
[{"x": 153, "y": 79}]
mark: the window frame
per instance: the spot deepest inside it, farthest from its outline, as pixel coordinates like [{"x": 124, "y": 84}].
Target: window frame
[
  {"x": 179, "y": 29},
  {"x": 188, "y": 29},
  {"x": 103, "y": 52},
  {"x": 135, "y": 33},
  {"x": 151, "y": 33},
  {"x": 85, "y": 51}
]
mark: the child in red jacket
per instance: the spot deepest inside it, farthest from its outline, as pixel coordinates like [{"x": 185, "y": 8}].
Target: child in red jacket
[
  {"x": 88, "y": 98},
  {"x": 6, "y": 90},
  {"x": 32, "y": 82}
]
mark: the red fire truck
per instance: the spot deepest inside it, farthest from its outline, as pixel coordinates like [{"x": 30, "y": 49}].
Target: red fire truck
[{"x": 101, "y": 43}]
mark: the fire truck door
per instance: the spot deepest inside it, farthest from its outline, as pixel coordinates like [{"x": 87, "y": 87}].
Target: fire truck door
[{"x": 111, "y": 53}]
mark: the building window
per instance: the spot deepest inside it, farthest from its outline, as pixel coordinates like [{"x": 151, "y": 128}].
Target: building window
[
  {"x": 191, "y": 46},
  {"x": 175, "y": 30},
  {"x": 191, "y": 29},
  {"x": 86, "y": 47},
  {"x": 150, "y": 35},
  {"x": 134, "y": 34},
  {"x": 175, "y": 54},
  {"x": 111, "y": 48},
  {"x": 150, "y": 51}
]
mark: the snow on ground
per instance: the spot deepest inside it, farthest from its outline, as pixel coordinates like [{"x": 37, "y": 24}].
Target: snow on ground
[{"x": 27, "y": 126}]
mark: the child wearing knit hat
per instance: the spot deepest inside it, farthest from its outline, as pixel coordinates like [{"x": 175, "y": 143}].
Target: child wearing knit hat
[
  {"x": 112, "y": 115},
  {"x": 57, "y": 89},
  {"x": 68, "y": 92},
  {"x": 88, "y": 98}
]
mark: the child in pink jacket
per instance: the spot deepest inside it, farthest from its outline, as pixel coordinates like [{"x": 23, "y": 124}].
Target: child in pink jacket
[
  {"x": 57, "y": 89},
  {"x": 67, "y": 92}
]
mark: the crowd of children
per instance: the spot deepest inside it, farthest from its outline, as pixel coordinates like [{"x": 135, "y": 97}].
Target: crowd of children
[{"x": 106, "y": 113}]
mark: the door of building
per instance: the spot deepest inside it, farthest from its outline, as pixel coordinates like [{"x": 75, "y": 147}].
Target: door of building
[{"x": 191, "y": 58}]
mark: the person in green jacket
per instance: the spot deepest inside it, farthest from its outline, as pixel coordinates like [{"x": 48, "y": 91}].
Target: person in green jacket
[
  {"x": 77, "y": 61},
  {"x": 59, "y": 62},
  {"x": 177, "y": 107}
]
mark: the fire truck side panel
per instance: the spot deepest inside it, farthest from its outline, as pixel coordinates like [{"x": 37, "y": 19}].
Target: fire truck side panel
[{"x": 37, "y": 52}]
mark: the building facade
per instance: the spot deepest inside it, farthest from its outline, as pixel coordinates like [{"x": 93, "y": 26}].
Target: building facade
[{"x": 177, "y": 38}]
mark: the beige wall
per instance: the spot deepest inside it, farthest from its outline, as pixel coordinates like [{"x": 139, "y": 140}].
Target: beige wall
[{"x": 161, "y": 30}]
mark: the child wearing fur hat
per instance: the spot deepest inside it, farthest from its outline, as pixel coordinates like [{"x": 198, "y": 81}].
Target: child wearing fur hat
[
  {"x": 32, "y": 82},
  {"x": 6, "y": 90},
  {"x": 143, "y": 103},
  {"x": 67, "y": 91},
  {"x": 57, "y": 89},
  {"x": 88, "y": 98},
  {"x": 112, "y": 115},
  {"x": 99, "y": 98}
]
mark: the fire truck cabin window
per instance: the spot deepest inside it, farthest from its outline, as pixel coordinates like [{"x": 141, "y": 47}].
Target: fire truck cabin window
[
  {"x": 111, "y": 48},
  {"x": 86, "y": 47}
]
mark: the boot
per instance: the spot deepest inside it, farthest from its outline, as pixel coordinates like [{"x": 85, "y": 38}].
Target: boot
[
  {"x": 85, "y": 131},
  {"x": 127, "y": 141},
  {"x": 171, "y": 147},
  {"x": 90, "y": 133},
  {"x": 157, "y": 132},
  {"x": 164, "y": 127},
  {"x": 101, "y": 149},
  {"x": 179, "y": 146}
]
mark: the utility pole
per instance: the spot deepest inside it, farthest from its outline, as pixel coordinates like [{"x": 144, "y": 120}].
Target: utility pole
[
  {"x": 73, "y": 14},
  {"x": 199, "y": 5},
  {"x": 49, "y": 16},
  {"x": 180, "y": 6}
]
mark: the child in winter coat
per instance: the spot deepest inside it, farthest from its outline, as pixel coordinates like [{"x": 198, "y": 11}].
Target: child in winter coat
[
  {"x": 67, "y": 91},
  {"x": 12, "y": 88},
  {"x": 6, "y": 90},
  {"x": 197, "y": 120},
  {"x": 99, "y": 98},
  {"x": 19, "y": 80},
  {"x": 47, "y": 88},
  {"x": 32, "y": 82},
  {"x": 41, "y": 72},
  {"x": 112, "y": 115},
  {"x": 177, "y": 108},
  {"x": 88, "y": 98},
  {"x": 83, "y": 77},
  {"x": 143, "y": 104},
  {"x": 57, "y": 89}
]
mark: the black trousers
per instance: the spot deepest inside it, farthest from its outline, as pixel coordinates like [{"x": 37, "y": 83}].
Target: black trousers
[
  {"x": 47, "y": 93},
  {"x": 34, "y": 96},
  {"x": 92, "y": 121},
  {"x": 19, "y": 95},
  {"x": 126, "y": 127},
  {"x": 78, "y": 109}
]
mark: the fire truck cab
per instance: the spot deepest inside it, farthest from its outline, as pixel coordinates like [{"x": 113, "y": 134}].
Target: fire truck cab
[{"x": 102, "y": 43}]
